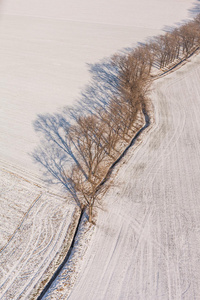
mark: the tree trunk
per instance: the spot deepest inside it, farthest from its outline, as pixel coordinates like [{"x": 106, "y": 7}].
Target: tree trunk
[{"x": 90, "y": 213}]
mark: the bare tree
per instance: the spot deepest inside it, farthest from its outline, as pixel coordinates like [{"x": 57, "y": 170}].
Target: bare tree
[{"x": 189, "y": 35}]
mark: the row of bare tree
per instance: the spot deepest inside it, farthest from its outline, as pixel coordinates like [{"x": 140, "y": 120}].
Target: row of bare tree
[
  {"x": 98, "y": 137},
  {"x": 81, "y": 144},
  {"x": 179, "y": 43}
]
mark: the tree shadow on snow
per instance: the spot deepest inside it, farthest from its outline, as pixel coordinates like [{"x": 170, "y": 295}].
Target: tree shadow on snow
[
  {"x": 55, "y": 152},
  {"x": 195, "y": 9}
]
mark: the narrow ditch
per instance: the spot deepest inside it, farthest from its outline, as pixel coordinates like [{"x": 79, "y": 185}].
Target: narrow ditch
[
  {"x": 57, "y": 272},
  {"x": 106, "y": 178}
]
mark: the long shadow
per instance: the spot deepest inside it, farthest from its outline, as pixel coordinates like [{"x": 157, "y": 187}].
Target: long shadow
[
  {"x": 193, "y": 12},
  {"x": 195, "y": 9},
  {"x": 56, "y": 152}
]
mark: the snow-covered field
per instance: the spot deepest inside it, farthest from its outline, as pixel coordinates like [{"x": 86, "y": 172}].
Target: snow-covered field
[
  {"x": 147, "y": 241},
  {"x": 44, "y": 51}
]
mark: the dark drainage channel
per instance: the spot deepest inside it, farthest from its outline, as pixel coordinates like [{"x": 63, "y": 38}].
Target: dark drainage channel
[
  {"x": 55, "y": 275},
  {"x": 53, "y": 278}
]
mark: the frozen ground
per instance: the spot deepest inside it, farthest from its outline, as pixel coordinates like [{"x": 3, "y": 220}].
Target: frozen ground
[
  {"x": 147, "y": 242},
  {"x": 45, "y": 48}
]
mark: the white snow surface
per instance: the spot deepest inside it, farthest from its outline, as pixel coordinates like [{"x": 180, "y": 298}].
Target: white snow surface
[
  {"x": 45, "y": 48},
  {"x": 33, "y": 227},
  {"x": 147, "y": 242}
]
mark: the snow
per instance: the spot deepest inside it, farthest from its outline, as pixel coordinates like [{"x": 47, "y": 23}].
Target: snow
[
  {"x": 16, "y": 197},
  {"x": 149, "y": 14},
  {"x": 34, "y": 229},
  {"x": 147, "y": 244},
  {"x": 45, "y": 50}
]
